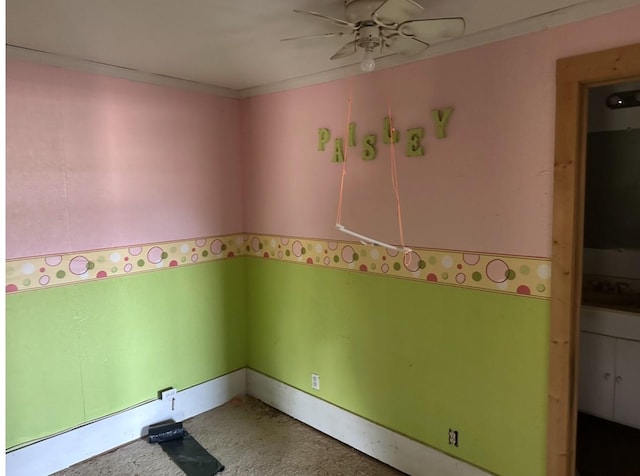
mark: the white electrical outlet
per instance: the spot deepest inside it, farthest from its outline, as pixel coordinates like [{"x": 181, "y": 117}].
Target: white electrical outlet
[
  {"x": 453, "y": 437},
  {"x": 168, "y": 393},
  {"x": 315, "y": 381}
]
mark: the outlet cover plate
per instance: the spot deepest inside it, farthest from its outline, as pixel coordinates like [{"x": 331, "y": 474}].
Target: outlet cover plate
[
  {"x": 167, "y": 393},
  {"x": 453, "y": 437}
]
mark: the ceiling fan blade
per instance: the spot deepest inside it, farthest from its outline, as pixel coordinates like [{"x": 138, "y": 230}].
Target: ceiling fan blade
[
  {"x": 405, "y": 46},
  {"x": 322, "y": 35},
  {"x": 337, "y": 21},
  {"x": 430, "y": 31},
  {"x": 347, "y": 50},
  {"x": 393, "y": 12}
]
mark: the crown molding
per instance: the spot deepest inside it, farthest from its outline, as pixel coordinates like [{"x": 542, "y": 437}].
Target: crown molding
[
  {"x": 537, "y": 23},
  {"x": 52, "y": 59}
]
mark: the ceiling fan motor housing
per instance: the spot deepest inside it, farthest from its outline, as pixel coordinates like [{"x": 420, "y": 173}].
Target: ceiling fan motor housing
[
  {"x": 369, "y": 36},
  {"x": 358, "y": 10}
]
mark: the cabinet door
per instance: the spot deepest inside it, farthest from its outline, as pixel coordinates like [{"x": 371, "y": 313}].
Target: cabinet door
[
  {"x": 627, "y": 400},
  {"x": 596, "y": 378}
]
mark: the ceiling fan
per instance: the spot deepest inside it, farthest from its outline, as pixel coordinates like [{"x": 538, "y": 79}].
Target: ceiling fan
[{"x": 387, "y": 25}]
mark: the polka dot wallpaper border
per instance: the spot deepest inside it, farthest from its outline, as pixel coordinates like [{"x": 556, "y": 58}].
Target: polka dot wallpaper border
[
  {"x": 506, "y": 274},
  {"x": 26, "y": 274}
]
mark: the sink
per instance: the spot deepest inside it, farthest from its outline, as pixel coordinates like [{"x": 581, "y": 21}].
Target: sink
[{"x": 629, "y": 301}]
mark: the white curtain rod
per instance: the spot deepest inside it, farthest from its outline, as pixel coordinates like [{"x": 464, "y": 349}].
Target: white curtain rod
[{"x": 365, "y": 240}]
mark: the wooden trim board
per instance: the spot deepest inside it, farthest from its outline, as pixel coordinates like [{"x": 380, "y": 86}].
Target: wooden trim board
[{"x": 574, "y": 76}]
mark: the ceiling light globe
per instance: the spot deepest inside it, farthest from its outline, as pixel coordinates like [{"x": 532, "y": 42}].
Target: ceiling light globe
[{"x": 367, "y": 64}]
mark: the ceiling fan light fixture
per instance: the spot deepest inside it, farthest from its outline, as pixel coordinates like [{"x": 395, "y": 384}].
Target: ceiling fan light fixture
[
  {"x": 368, "y": 63},
  {"x": 368, "y": 38},
  {"x": 390, "y": 25}
]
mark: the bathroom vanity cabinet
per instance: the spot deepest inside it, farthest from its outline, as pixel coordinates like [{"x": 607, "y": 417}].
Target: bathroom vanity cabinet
[{"x": 609, "y": 375}]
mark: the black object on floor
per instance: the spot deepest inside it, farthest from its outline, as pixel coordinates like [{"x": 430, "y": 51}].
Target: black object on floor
[
  {"x": 606, "y": 448},
  {"x": 165, "y": 431},
  {"x": 191, "y": 457},
  {"x": 184, "y": 450}
]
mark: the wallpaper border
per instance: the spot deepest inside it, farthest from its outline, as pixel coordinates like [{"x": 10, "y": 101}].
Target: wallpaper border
[
  {"x": 28, "y": 274},
  {"x": 525, "y": 276}
]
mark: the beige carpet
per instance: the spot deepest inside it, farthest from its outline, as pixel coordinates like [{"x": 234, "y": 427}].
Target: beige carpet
[{"x": 249, "y": 438}]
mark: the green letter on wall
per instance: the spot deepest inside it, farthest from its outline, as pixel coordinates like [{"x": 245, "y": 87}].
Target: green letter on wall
[
  {"x": 441, "y": 122},
  {"x": 352, "y": 134},
  {"x": 414, "y": 147},
  {"x": 323, "y": 137},
  {"x": 369, "y": 148},
  {"x": 338, "y": 151},
  {"x": 387, "y": 139}
]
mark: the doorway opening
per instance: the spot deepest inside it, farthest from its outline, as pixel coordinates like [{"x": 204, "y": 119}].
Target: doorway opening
[
  {"x": 575, "y": 76},
  {"x": 608, "y": 423}
]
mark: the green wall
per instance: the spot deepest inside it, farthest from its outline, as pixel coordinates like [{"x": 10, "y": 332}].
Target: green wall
[
  {"x": 79, "y": 352},
  {"x": 415, "y": 357}
]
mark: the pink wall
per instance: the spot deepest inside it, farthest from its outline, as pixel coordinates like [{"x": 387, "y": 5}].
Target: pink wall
[
  {"x": 96, "y": 162},
  {"x": 487, "y": 187}
]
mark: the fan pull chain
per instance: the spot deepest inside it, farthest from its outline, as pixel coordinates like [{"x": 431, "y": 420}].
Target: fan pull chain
[
  {"x": 394, "y": 182},
  {"x": 344, "y": 160},
  {"x": 396, "y": 186}
]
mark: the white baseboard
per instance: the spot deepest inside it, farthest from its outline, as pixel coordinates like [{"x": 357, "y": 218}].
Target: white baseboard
[
  {"x": 66, "y": 449},
  {"x": 382, "y": 444}
]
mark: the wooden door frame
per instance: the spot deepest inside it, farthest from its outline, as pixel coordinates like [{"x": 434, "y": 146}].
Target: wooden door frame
[{"x": 574, "y": 76}]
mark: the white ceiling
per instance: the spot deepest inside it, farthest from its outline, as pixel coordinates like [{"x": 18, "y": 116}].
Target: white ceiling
[{"x": 235, "y": 43}]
